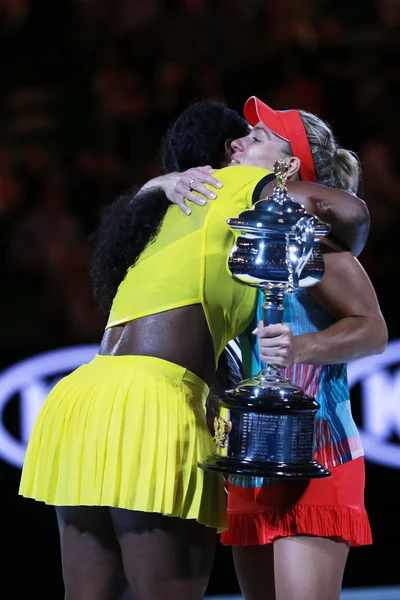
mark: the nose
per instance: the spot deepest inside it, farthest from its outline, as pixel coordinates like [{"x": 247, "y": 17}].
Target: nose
[{"x": 237, "y": 145}]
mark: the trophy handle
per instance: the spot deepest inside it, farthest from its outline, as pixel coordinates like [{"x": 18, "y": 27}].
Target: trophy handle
[{"x": 299, "y": 247}]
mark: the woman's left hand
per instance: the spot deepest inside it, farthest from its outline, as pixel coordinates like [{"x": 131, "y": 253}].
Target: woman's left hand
[
  {"x": 183, "y": 187},
  {"x": 188, "y": 185},
  {"x": 277, "y": 344}
]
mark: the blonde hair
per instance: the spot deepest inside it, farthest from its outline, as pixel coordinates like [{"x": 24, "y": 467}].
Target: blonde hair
[{"x": 334, "y": 166}]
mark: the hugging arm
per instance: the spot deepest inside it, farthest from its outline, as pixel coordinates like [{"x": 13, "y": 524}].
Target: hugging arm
[{"x": 347, "y": 214}]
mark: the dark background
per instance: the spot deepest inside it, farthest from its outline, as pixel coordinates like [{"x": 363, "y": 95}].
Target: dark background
[{"x": 87, "y": 89}]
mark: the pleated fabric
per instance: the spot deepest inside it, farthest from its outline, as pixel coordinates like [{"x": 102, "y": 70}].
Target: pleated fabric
[
  {"x": 331, "y": 507},
  {"x": 127, "y": 432}
]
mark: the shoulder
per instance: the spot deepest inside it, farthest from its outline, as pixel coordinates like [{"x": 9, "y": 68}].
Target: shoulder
[
  {"x": 241, "y": 186},
  {"x": 241, "y": 174}
]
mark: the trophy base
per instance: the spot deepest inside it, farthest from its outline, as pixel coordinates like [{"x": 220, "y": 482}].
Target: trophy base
[{"x": 233, "y": 466}]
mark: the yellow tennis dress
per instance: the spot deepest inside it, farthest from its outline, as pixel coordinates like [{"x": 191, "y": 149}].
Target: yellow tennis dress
[{"x": 129, "y": 431}]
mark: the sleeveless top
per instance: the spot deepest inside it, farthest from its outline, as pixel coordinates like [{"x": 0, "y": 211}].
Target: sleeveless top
[{"x": 187, "y": 263}]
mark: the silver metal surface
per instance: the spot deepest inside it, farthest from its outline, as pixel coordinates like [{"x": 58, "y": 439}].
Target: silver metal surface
[
  {"x": 271, "y": 437},
  {"x": 266, "y": 424},
  {"x": 278, "y": 246}
]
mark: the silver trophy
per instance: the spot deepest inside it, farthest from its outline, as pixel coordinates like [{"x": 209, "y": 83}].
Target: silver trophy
[{"x": 266, "y": 424}]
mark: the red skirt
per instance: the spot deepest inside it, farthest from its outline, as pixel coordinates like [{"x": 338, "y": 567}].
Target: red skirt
[{"x": 331, "y": 507}]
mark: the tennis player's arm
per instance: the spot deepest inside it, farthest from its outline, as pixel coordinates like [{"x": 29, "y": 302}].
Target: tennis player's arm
[
  {"x": 359, "y": 330},
  {"x": 345, "y": 292},
  {"x": 347, "y": 215}
]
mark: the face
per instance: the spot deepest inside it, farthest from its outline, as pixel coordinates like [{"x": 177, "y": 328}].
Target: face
[{"x": 260, "y": 148}]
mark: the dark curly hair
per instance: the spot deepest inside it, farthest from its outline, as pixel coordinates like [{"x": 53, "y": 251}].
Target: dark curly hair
[{"x": 198, "y": 137}]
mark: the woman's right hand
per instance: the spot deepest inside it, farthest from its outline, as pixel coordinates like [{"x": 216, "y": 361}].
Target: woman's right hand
[{"x": 189, "y": 185}]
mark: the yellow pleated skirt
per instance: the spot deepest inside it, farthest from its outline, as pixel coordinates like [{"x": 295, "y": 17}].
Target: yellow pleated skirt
[{"x": 127, "y": 432}]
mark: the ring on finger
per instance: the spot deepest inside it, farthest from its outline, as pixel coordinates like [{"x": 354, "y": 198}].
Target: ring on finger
[{"x": 190, "y": 183}]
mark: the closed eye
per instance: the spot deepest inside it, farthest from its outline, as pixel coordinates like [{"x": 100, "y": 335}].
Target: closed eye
[{"x": 255, "y": 139}]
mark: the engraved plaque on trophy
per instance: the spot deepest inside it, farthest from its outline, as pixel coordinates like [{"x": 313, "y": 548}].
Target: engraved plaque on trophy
[{"x": 266, "y": 424}]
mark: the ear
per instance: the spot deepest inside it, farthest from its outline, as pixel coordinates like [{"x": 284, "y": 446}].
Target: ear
[{"x": 294, "y": 164}]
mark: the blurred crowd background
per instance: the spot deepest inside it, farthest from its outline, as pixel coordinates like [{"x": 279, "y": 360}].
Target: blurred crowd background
[{"x": 88, "y": 87}]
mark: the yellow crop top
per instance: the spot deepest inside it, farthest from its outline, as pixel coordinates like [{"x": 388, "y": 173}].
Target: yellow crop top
[{"x": 188, "y": 262}]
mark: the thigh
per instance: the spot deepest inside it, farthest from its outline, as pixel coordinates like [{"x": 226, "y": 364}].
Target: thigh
[
  {"x": 164, "y": 557},
  {"x": 90, "y": 554},
  {"x": 309, "y": 568},
  {"x": 254, "y": 566}
]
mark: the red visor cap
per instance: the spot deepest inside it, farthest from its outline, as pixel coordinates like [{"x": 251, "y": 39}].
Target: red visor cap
[{"x": 288, "y": 125}]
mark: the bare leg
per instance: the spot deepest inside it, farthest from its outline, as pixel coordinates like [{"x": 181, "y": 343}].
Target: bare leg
[
  {"x": 254, "y": 567},
  {"x": 90, "y": 554},
  {"x": 293, "y": 568},
  {"x": 309, "y": 568},
  {"x": 165, "y": 558}
]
